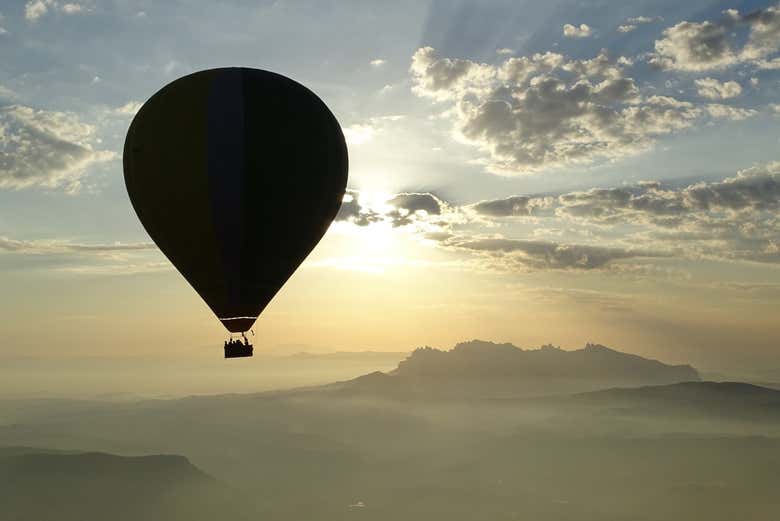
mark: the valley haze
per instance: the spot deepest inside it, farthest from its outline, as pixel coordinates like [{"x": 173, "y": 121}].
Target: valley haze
[{"x": 481, "y": 429}]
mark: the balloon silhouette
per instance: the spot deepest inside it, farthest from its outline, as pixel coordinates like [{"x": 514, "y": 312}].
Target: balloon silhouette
[{"x": 236, "y": 174}]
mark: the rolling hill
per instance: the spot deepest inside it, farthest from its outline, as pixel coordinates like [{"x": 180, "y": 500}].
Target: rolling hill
[{"x": 64, "y": 486}]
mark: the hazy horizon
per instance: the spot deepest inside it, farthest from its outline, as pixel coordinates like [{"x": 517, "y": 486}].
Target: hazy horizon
[{"x": 596, "y": 183}]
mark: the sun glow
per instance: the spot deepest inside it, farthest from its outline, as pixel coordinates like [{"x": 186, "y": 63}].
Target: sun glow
[{"x": 372, "y": 248}]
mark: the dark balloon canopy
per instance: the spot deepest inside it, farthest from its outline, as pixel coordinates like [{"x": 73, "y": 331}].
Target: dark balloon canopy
[{"x": 236, "y": 174}]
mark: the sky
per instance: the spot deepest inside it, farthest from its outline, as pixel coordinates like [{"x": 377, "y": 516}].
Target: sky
[{"x": 520, "y": 171}]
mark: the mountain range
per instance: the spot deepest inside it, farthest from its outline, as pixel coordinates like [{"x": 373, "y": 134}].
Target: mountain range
[
  {"x": 378, "y": 448},
  {"x": 486, "y": 369}
]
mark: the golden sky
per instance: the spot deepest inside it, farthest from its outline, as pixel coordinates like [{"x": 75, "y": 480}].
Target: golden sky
[{"x": 512, "y": 178}]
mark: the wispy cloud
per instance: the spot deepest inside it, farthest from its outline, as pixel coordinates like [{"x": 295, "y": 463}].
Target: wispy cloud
[{"x": 47, "y": 247}]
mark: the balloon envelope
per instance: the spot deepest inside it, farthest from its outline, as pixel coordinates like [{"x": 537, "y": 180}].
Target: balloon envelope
[{"x": 236, "y": 174}]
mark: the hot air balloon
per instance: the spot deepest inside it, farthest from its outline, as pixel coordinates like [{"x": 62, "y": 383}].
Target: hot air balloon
[{"x": 236, "y": 174}]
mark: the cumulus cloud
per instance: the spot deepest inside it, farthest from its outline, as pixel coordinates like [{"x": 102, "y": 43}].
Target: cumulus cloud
[
  {"x": 446, "y": 78},
  {"x": 377, "y": 62},
  {"x": 572, "y": 31},
  {"x": 713, "y": 89},
  {"x": 45, "y": 148},
  {"x": 35, "y": 9},
  {"x": 709, "y": 45},
  {"x": 532, "y": 112},
  {"x": 694, "y": 46},
  {"x": 627, "y": 28}
]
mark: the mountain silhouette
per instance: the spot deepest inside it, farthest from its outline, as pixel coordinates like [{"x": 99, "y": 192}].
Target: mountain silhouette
[
  {"x": 481, "y": 369},
  {"x": 64, "y": 486}
]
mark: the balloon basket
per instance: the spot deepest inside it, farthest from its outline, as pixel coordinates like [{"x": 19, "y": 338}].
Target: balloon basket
[{"x": 238, "y": 351}]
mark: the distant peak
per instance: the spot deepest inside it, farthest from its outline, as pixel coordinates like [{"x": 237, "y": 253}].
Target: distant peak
[
  {"x": 597, "y": 347},
  {"x": 484, "y": 345}
]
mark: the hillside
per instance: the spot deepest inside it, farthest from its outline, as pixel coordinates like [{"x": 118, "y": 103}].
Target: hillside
[
  {"x": 698, "y": 451},
  {"x": 36, "y": 485},
  {"x": 729, "y": 401},
  {"x": 485, "y": 369}
]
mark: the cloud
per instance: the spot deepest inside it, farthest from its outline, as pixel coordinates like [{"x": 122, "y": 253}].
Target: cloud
[
  {"x": 626, "y": 28},
  {"x": 711, "y": 88},
  {"x": 424, "y": 210},
  {"x": 417, "y": 202},
  {"x": 361, "y": 133},
  {"x": 520, "y": 254},
  {"x": 48, "y": 247},
  {"x": 45, "y": 148},
  {"x": 377, "y": 62},
  {"x": 65, "y": 256},
  {"x": 129, "y": 109},
  {"x": 515, "y": 206},
  {"x": 505, "y": 51},
  {"x": 691, "y": 46},
  {"x": 445, "y": 78},
  {"x": 720, "y": 111},
  {"x": 544, "y": 110},
  {"x": 353, "y": 212},
  {"x": 572, "y": 31},
  {"x": 752, "y": 190},
  {"x": 6, "y": 95},
  {"x": 358, "y": 134},
  {"x": 35, "y": 9},
  {"x": 736, "y": 218},
  {"x": 709, "y": 45},
  {"x": 644, "y": 19},
  {"x": 72, "y": 8},
  {"x": 118, "y": 268}
]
